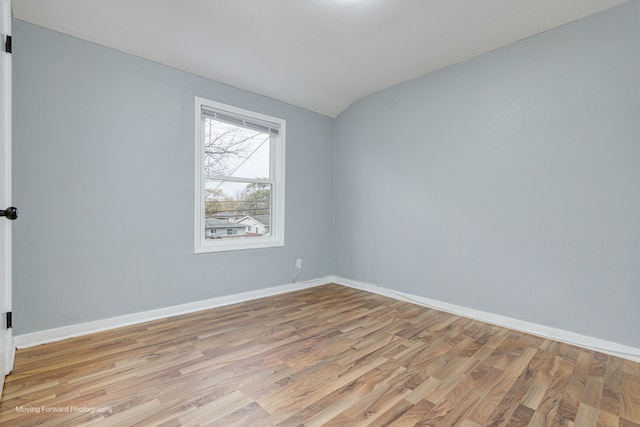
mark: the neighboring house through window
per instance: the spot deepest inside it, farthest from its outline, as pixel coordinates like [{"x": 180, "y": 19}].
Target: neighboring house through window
[{"x": 240, "y": 158}]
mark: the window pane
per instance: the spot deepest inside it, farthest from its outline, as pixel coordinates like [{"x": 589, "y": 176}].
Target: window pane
[
  {"x": 235, "y": 151},
  {"x": 237, "y": 209}
]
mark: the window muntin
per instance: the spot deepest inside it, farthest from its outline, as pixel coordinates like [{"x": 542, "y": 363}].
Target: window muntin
[{"x": 239, "y": 178}]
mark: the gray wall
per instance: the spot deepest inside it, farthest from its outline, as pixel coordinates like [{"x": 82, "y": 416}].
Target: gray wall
[
  {"x": 103, "y": 178},
  {"x": 512, "y": 179},
  {"x": 508, "y": 183}
]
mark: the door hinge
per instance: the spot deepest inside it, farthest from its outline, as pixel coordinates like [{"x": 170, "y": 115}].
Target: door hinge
[
  {"x": 7, "y": 45},
  {"x": 9, "y": 321}
]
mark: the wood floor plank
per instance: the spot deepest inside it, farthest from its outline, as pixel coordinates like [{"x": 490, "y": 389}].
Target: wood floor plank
[
  {"x": 521, "y": 416},
  {"x": 417, "y": 414},
  {"x": 606, "y": 419},
  {"x": 324, "y": 356},
  {"x": 610, "y": 399},
  {"x": 586, "y": 416},
  {"x": 546, "y": 411},
  {"x": 571, "y": 401},
  {"x": 542, "y": 367},
  {"x": 630, "y": 408}
]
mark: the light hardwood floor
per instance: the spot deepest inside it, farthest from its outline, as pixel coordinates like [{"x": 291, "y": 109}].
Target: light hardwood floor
[{"x": 324, "y": 356}]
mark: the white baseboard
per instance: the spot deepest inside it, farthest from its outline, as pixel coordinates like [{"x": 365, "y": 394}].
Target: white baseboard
[
  {"x": 608, "y": 347},
  {"x": 58, "y": 334}
]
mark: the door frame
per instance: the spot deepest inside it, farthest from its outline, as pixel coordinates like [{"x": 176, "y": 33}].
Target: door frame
[{"x": 7, "y": 348}]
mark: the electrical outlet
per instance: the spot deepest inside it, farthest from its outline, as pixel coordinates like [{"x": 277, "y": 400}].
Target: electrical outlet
[{"x": 299, "y": 263}]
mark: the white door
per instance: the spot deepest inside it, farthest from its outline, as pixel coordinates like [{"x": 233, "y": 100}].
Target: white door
[{"x": 6, "y": 340}]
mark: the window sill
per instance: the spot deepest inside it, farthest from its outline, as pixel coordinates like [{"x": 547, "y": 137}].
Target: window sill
[{"x": 222, "y": 246}]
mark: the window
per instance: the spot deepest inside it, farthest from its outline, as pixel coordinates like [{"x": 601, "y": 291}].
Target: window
[{"x": 239, "y": 179}]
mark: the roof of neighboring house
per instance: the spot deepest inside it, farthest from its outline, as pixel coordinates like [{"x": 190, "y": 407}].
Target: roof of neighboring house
[
  {"x": 262, "y": 219},
  {"x": 220, "y": 223}
]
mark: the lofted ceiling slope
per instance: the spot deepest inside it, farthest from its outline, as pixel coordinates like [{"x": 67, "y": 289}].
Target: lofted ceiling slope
[{"x": 317, "y": 54}]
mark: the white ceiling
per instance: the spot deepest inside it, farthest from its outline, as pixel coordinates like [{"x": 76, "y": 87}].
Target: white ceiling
[{"x": 318, "y": 54}]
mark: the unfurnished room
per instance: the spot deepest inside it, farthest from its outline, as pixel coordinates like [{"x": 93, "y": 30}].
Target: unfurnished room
[{"x": 320, "y": 213}]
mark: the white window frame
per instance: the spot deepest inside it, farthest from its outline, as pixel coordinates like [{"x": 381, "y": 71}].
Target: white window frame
[{"x": 277, "y": 165}]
